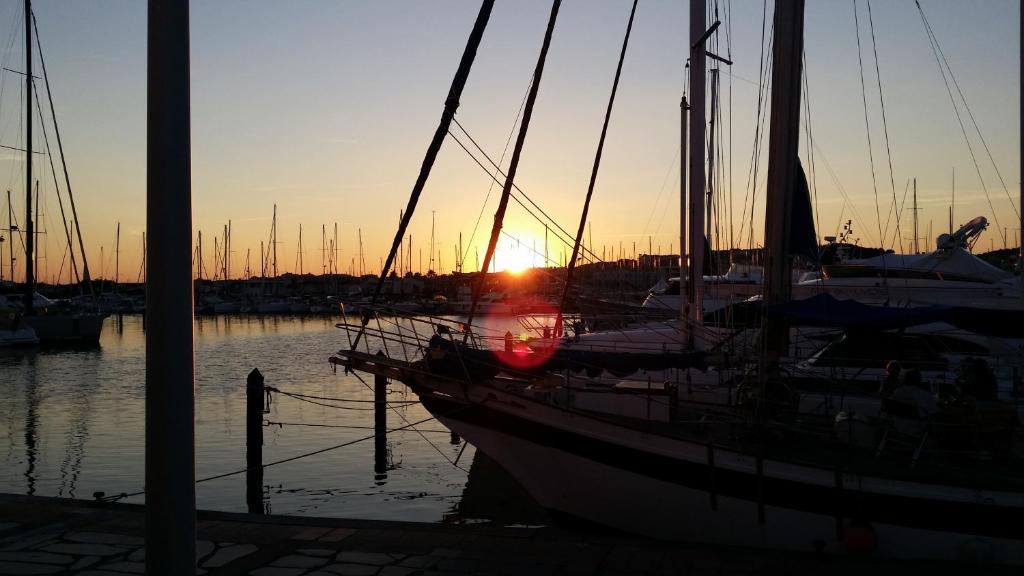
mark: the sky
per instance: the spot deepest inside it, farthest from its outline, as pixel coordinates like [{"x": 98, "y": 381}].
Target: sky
[{"x": 325, "y": 108}]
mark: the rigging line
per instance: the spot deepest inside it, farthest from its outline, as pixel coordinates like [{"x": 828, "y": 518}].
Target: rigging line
[
  {"x": 885, "y": 130},
  {"x": 343, "y": 426},
  {"x": 764, "y": 79},
  {"x": 967, "y": 107},
  {"x": 504, "y": 151},
  {"x": 60, "y": 148},
  {"x": 593, "y": 173},
  {"x": 283, "y": 460},
  {"x": 514, "y": 185},
  {"x": 657, "y": 199},
  {"x": 810, "y": 148},
  {"x": 328, "y": 399},
  {"x": 451, "y": 105},
  {"x": 517, "y": 151},
  {"x": 554, "y": 232},
  {"x": 842, "y": 190},
  {"x": 423, "y": 436},
  {"x": 867, "y": 126},
  {"x": 56, "y": 187},
  {"x": 936, "y": 51}
]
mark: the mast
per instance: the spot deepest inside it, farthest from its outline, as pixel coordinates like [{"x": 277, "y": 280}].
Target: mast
[
  {"x": 300, "y": 249},
  {"x": 593, "y": 178},
  {"x": 783, "y": 145},
  {"x": 698, "y": 120},
  {"x": 86, "y": 277},
  {"x": 227, "y": 253},
  {"x": 683, "y": 108},
  {"x": 29, "y": 229},
  {"x": 35, "y": 253},
  {"x": 273, "y": 238},
  {"x": 200, "y": 249},
  {"x": 499, "y": 214},
  {"x": 117, "y": 257},
  {"x": 917, "y": 245},
  {"x": 10, "y": 233},
  {"x": 711, "y": 164}
]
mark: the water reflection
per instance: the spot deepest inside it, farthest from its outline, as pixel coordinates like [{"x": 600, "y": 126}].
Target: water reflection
[{"x": 72, "y": 423}]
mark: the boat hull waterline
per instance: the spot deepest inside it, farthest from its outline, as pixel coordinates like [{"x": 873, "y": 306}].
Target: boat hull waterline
[{"x": 665, "y": 488}]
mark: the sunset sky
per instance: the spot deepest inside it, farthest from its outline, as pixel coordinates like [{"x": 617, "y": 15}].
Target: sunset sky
[{"x": 326, "y": 109}]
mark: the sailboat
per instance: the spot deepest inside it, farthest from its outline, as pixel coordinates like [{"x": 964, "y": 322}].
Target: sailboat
[
  {"x": 52, "y": 322},
  {"x": 757, "y": 471}
]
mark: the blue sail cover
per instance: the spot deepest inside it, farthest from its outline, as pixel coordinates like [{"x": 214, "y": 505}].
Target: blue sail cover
[{"x": 826, "y": 310}]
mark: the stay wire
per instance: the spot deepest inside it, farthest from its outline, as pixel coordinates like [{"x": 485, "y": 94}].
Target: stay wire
[
  {"x": 885, "y": 131},
  {"x": 867, "y": 125}
]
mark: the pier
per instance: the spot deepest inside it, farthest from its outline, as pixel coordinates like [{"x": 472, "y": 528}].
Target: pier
[{"x": 40, "y": 535}]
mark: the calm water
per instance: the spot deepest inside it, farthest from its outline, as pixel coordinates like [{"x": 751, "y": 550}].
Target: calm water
[{"x": 72, "y": 423}]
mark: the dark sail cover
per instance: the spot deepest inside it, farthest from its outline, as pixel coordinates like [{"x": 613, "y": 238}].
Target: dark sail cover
[{"x": 803, "y": 241}]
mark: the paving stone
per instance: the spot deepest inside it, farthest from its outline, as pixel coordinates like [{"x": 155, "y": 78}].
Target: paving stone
[
  {"x": 80, "y": 549},
  {"x": 396, "y": 571},
  {"x": 229, "y": 554},
  {"x": 297, "y": 561},
  {"x": 311, "y": 533},
  {"x": 84, "y": 562},
  {"x": 29, "y": 541},
  {"x": 324, "y": 552},
  {"x": 447, "y": 552},
  {"x": 352, "y": 569},
  {"x": 337, "y": 535},
  {"x": 272, "y": 571},
  {"x": 374, "y": 558},
  {"x": 104, "y": 538},
  {"x": 130, "y": 567},
  {"x": 35, "y": 556},
  {"x": 419, "y": 561},
  {"x": 17, "y": 568},
  {"x": 457, "y": 564}
]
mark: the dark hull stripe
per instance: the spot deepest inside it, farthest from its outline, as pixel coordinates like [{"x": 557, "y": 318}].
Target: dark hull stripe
[{"x": 970, "y": 518}]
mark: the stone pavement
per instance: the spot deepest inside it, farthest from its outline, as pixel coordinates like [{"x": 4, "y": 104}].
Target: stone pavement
[{"x": 59, "y": 536}]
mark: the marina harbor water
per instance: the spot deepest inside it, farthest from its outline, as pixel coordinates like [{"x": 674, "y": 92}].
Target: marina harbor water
[{"x": 71, "y": 424}]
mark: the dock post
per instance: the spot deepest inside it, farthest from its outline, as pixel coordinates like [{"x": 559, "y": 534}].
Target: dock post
[
  {"x": 254, "y": 442},
  {"x": 380, "y": 427},
  {"x": 170, "y": 524},
  {"x": 454, "y": 439}
]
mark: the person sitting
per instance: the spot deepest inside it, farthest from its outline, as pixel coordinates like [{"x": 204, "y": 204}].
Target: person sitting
[
  {"x": 892, "y": 379},
  {"x": 914, "y": 391}
]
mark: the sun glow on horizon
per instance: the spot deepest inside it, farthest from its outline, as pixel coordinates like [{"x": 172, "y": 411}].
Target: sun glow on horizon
[{"x": 515, "y": 257}]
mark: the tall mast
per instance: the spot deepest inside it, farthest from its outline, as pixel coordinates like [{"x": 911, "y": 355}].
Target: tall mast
[
  {"x": 273, "y": 238},
  {"x": 86, "y": 277},
  {"x": 29, "y": 229},
  {"x": 683, "y": 109},
  {"x": 696, "y": 171},
  {"x": 117, "y": 257},
  {"x": 711, "y": 161},
  {"x": 300, "y": 249},
  {"x": 10, "y": 233},
  {"x": 783, "y": 145},
  {"x": 200, "y": 249},
  {"x": 227, "y": 253},
  {"x": 917, "y": 245}
]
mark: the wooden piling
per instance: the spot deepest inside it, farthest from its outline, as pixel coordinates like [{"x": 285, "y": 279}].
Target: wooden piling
[
  {"x": 380, "y": 423},
  {"x": 254, "y": 394}
]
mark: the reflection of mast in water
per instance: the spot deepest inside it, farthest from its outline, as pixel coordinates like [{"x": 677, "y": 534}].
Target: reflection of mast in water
[
  {"x": 76, "y": 437},
  {"x": 31, "y": 422}
]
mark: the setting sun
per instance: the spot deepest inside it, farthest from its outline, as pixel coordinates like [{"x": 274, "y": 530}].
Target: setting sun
[{"x": 515, "y": 257}]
